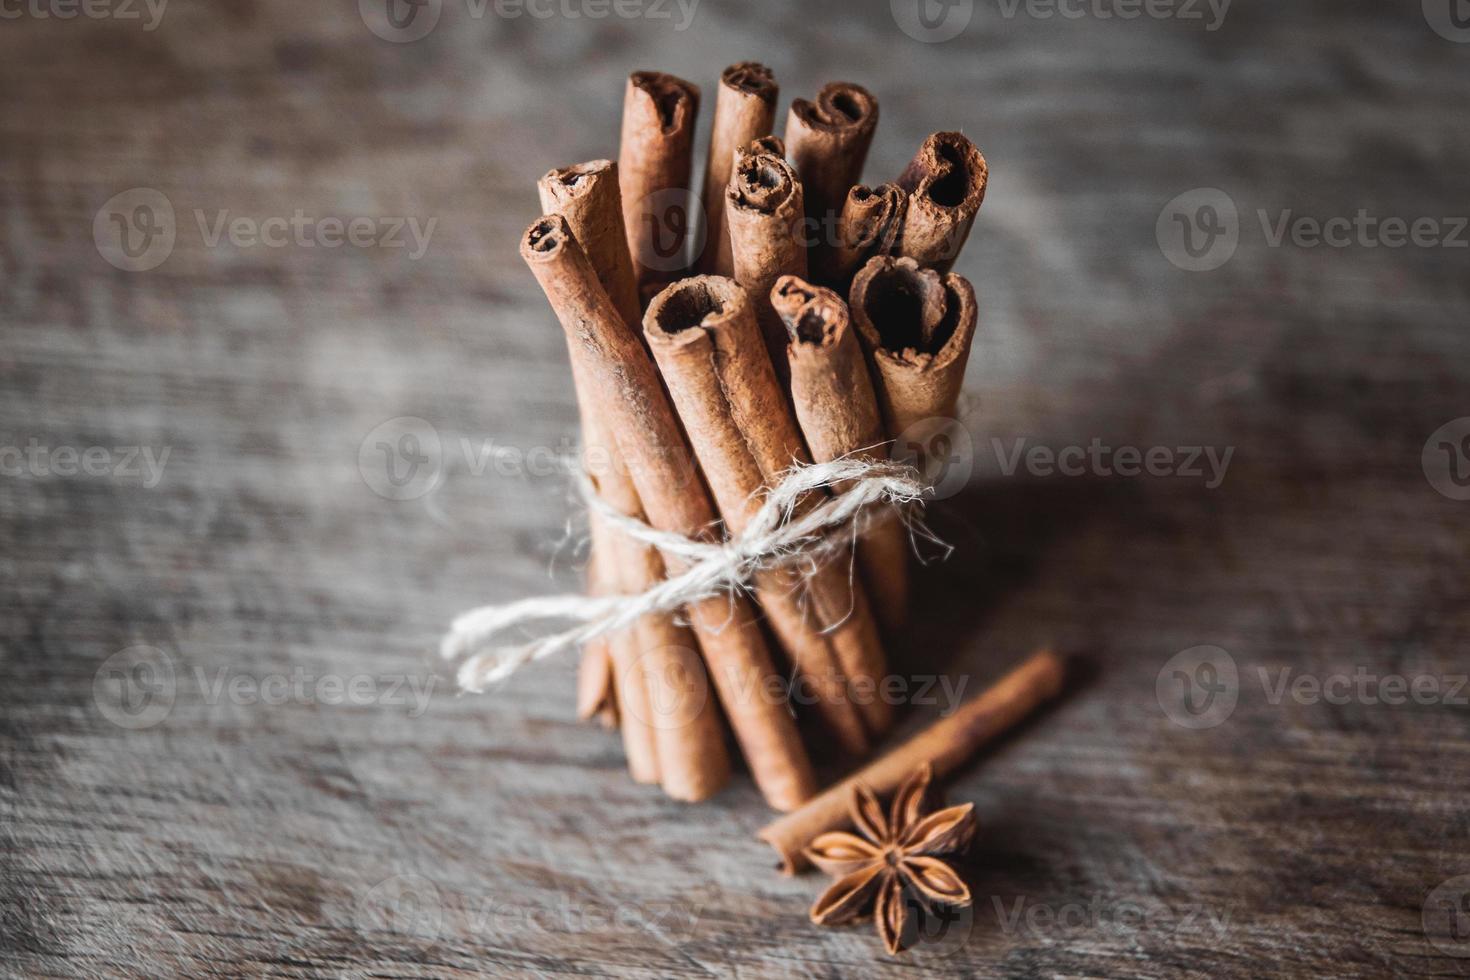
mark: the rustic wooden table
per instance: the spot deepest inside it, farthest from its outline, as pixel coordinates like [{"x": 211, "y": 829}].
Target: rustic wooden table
[{"x": 227, "y": 746}]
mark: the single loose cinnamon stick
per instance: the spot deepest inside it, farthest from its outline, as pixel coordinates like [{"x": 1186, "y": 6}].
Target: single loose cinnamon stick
[
  {"x": 945, "y": 182},
  {"x": 655, "y": 160},
  {"x": 703, "y": 334},
  {"x": 764, "y": 211},
  {"x": 872, "y": 218},
  {"x": 917, "y": 326},
  {"x": 663, "y": 694},
  {"x": 946, "y": 744},
  {"x": 625, "y": 389},
  {"x": 838, "y": 415},
  {"x": 828, "y": 141},
  {"x": 745, "y": 108}
]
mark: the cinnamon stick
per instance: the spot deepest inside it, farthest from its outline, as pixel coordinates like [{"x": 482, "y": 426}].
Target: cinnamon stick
[
  {"x": 666, "y": 716},
  {"x": 838, "y": 415},
  {"x": 946, "y": 744},
  {"x": 763, "y": 206},
  {"x": 945, "y": 182},
  {"x": 871, "y": 220},
  {"x": 745, "y": 108},
  {"x": 624, "y": 388},
  {"x": 655, "y": 160},
  {"x": 828, "y": 140},
  {"x": 704, "y": 337},
  {"x": 917, "y": 327}
]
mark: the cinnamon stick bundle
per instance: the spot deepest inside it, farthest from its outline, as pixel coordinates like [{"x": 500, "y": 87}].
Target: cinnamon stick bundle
[
  {"x": 671, "y": 730},
  {"x": 745, "y": 108},
  {"x": 917, "y": 326},
  {"x": 655, "y": 160},
  {"x": 872, "y": 218},
  {"x": 828, "y": 140},
  {"x": 945, "y": 182},
  {"x": 708, "y": 347},
  {"x": 946, "y": 745},
  {"x": 838, "y": 414},
  {"x": 624, "y": 388},
  {"x": 763, "y": 207}
]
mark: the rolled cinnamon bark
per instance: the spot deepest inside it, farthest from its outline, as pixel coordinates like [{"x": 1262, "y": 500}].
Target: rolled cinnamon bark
[
  {"x": 917, "y": 327},
  {"x": 945, "y": 182},
  {"x": 872, "y": 218},
  {"x": 595, "y": 697},
  {"x": 764, "y": 211},
  {"x": 838, "y": 415},
  {"x": 828, "y": 141},
  {"x": 663, "y": 694},
  {"x": 946, "y": 744},
  {"x": 745, "y": 108},
  {"x": 655, "y": 160},
  {"x": 704, "y": 337},
  {"x": 624, "y": 389}
]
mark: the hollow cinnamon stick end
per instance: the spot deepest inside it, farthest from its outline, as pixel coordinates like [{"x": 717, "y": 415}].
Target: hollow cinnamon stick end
[
  {"x": 697, "y": 301},
  {"x": 752, "y": 79},
  {"x": 789, "y": 852}
]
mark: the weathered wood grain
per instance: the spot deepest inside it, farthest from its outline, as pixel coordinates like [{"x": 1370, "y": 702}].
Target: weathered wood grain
[{"x": 295, "y": 839}]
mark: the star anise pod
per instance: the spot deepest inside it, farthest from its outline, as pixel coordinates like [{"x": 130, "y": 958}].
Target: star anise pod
[{"x": 896, "y": 854}]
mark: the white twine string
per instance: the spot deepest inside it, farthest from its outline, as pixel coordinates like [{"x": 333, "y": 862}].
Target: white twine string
[{"x": 775, "y": 538}]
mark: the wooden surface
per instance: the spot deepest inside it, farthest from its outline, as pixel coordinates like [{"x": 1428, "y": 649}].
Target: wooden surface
[{"x": 215, "y": 834}]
